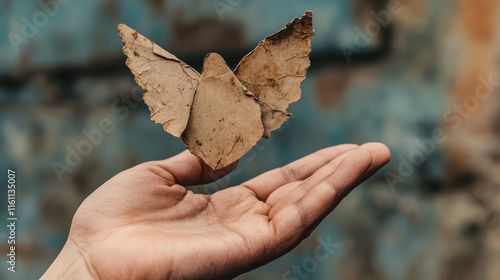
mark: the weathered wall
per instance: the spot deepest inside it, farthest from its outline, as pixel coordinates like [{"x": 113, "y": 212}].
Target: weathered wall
[{"x": 432, "y": 213}]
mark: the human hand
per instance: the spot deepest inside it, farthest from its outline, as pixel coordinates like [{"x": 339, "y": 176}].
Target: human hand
[{"x": 144, "y": 224}]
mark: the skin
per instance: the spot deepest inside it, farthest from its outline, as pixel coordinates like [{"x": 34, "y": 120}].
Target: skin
[{"x": 144, "y": 224}]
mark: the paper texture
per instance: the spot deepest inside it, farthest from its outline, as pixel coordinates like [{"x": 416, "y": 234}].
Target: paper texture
[{"x": 222, "y": 114}]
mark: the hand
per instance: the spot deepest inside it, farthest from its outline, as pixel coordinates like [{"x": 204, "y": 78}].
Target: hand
[{"x": 144, "y": 224}]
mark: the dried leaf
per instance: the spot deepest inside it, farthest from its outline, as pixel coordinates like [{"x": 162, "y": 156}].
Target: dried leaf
[
  {"x": 170, "y": 84},
  {"x": 274, "y": 71},
  {"x": 222, "y": 114},
  {"x": 225, "y": 120},
  {"x": 271, "y": 117}
]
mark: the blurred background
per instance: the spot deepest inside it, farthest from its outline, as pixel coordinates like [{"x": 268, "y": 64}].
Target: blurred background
[{"x": 419, "y": 76}]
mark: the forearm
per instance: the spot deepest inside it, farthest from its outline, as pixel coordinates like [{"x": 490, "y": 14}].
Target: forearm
[{"x": 69, "y": 264}]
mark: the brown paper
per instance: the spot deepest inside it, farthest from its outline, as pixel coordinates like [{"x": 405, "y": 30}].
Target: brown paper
[{"x": 222, "y": 114}]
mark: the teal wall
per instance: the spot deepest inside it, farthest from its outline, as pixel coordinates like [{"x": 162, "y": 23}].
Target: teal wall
[{"x": 394, "y": 90}]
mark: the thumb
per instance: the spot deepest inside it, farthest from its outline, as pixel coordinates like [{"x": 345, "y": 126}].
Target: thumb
[{"x": 188, "y": 169}]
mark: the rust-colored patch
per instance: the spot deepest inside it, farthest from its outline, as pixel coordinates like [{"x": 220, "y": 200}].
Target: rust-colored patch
[
  {"x": 206, "y": 35},
  {"x": 362, "y": 9},
  {"x": 110, "y": 8},
  {"x": 330, "y": 86},
  {"x": 468, "y": 232},
  {"x": 28, "y": 251},
  {"x": 57, "y": 212},
  {"x": 478, "y": 19},
  {"x": 477, "y": 25},
  {"x": 158, "y": 5}
]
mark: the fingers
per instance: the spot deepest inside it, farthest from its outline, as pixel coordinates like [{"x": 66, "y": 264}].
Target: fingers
[
  {"x": 298, "y": 212},
  {"x": 380, "y": 154},
  {"x": 291, "y": 193},
  {"x": 298, "y": 170},
  {"x": 187, "y": 169}
]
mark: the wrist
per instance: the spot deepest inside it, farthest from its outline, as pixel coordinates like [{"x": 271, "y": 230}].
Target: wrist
[{"x": 69, "y": 264}]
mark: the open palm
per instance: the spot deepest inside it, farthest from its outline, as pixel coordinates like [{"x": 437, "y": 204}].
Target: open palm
[{"x": 144, "y": 224}]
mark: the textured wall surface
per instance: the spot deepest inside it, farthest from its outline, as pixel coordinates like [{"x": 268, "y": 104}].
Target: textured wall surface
[{"x": 419, "y": 76}]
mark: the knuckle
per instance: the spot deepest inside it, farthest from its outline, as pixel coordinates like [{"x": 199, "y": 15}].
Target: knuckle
[{"x": 289, "y": 173}]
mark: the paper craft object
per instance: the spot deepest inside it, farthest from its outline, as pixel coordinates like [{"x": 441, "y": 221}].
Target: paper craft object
[{"x": 221, "y": 114}]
